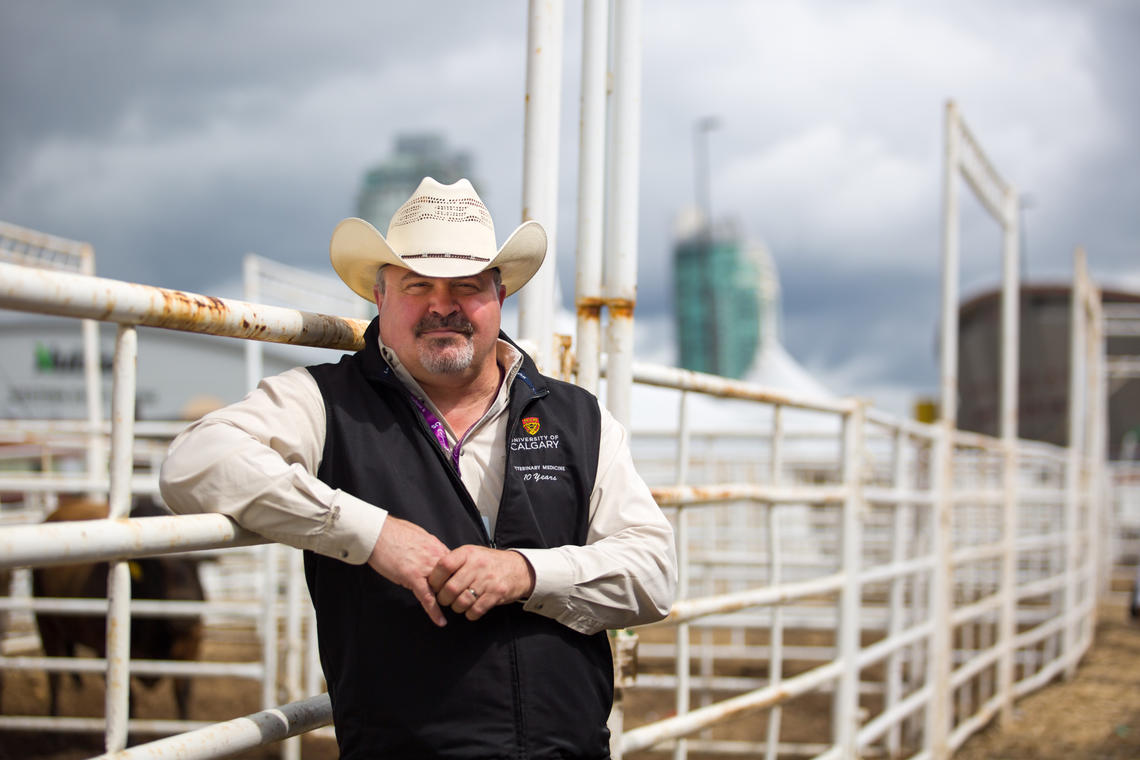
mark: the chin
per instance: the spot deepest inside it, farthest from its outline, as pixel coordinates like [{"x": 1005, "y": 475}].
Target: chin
[{"x": 447, "y": 360}]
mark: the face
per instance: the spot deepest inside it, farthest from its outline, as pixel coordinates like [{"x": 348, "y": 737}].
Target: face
[{"x": 440, "y": 326}]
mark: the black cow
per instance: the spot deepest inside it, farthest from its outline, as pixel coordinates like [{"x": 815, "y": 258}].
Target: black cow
[{"x": 151, "y": 578}]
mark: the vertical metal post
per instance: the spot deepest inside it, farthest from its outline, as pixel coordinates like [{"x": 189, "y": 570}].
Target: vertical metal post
[
  {"x": 938, "y": 715},
  {"x": 119, "y": 507},
  {"x": 1073, "y": 464},
  {"x": 1097, "y": 420},
  {"x": 1098, "y": 434},
  {"x": 684, "y": 653},
  {"x": 269, "y": 637},
  {"x": 897, "y": 596},
  {"x": 592, "y": 190},
  {"x": 845, "y": 711},
  {"x": 922, "y": 531},
  {"x": 313, "y": 672},
  {"x": 251, "y": 292},
  {"x": 622, "y": 215},
  {"x": 93, "y": 382},
  {"x": 1010, "y": 330},
  {"x": 291, "y": 747},
  {"x": 948, "y": 409},
  {"x": 540, "y": 169},
  {"x": 776, "y": 648}
]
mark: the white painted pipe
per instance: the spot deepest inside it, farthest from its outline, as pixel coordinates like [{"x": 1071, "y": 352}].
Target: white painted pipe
[
  {"x": 119, "y": 506},
  {"x": 623, "y": 197},
  {"x": 683, "y": 650},
  {"x": 721, "y": 387},
  {"x": 897, "y": 595},
  {"x": 683, "y": 725},
  {"x": 938, "y": 667},
  {"x": 73, "y": 295},
  {"x": 269, "y": 638},
  {"x": 1077, "y": 397},
  {"x": 540, "y": 169},
  {"x": 591, "y": 190},
  {"x": 238, "y": 735},
  {"x": 65, "y": 543},
  {"x": 775, "y": 578},
  {"x": 846, "y": 697},
  {"x": 295, "y": 577}
]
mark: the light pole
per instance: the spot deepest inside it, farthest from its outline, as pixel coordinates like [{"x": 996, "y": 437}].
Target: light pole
[
  {"x": 701, "y": 174},
  {"x": 703, "y": 192}
]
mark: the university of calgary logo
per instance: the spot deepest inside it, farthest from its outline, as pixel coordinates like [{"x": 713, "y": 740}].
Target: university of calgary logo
[{"x": 530, "y": 424}]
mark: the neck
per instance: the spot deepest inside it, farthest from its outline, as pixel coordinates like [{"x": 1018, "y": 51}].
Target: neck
[{"x": 462, "y": 399}]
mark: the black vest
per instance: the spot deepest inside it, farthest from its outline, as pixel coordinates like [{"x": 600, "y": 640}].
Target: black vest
[{"x": 511, "y": 685}]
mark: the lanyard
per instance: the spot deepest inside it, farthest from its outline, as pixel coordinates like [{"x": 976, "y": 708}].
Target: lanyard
[{"x": 437, "y": 429}]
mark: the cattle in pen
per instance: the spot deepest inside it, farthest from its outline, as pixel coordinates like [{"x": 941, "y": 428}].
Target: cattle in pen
[{"x": 152, "y": 638}]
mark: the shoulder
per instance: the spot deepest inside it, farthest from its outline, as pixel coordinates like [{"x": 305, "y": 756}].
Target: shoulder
[{"x": 296, "y": 384}]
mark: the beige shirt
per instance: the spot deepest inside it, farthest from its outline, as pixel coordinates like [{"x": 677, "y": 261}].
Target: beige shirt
[{"x": 256, "y": 461}]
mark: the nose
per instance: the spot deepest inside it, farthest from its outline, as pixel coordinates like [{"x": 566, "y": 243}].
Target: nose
[{"x": 442, "y": 302}]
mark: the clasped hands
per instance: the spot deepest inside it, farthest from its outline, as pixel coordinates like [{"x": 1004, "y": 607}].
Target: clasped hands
[{"x": 439, "y": 577}]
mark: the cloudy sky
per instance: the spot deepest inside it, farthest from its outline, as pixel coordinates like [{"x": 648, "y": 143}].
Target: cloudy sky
[{"x": 177, "y": 137}]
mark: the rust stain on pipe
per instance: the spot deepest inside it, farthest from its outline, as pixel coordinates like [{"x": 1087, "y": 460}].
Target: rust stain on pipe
[
  {"x": 590, "y": 307},
  {"x": 621, "y": 308}
]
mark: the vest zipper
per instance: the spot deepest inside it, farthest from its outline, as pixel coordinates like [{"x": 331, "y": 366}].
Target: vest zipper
[{"x": 456, "y": 481}]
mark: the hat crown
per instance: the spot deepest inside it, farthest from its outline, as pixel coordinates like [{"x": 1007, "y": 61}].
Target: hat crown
[
  {"x": 440, "y": 219},
  {"x": 442, "y": 231}
]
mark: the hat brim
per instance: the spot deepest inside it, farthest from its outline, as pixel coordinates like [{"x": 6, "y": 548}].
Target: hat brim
[{"x": 357, "y": 250}]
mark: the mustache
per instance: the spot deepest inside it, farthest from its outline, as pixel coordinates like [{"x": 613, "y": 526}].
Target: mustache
[{"x": 454, "y": 321}]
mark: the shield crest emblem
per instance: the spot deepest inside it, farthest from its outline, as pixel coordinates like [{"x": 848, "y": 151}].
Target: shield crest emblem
[{"x": 530, "y": 425}]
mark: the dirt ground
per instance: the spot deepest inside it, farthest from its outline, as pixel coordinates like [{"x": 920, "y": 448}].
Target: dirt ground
[{"x": 1094, "y": 716}]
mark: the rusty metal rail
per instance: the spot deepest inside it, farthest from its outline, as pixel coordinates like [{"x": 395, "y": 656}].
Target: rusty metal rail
[{"x": 75, "y": 295}]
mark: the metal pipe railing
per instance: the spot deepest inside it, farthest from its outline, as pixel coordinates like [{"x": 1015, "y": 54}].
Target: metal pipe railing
[{"x": 238, "y": 735}]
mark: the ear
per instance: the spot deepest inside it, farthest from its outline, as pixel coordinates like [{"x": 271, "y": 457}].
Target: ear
[
  {"x": 377, "y": 296},
  {"x": 502, "y": 295}
]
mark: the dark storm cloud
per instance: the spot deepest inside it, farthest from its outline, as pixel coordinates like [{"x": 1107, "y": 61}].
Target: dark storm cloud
[{"x": 176, "y": 137}]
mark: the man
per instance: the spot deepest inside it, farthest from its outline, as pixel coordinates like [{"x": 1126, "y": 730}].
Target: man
[{"x": 471, "y": 527}]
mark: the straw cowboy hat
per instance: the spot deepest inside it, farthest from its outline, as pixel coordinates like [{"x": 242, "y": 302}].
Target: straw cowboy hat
[{"x": 441, "y": 231}]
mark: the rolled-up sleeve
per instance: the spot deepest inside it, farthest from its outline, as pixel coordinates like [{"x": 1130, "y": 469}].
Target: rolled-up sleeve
[
  {"x": 256, "y": 462},
  {"x": 626, "y": 574}
]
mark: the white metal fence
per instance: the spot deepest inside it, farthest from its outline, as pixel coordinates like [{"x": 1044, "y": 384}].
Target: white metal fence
[
  {"x": 822, "y": 558},
  {"x": 834, "y": 572}
]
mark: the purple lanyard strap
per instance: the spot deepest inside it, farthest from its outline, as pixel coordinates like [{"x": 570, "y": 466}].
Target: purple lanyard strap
[{"x": 437, "y": 429}]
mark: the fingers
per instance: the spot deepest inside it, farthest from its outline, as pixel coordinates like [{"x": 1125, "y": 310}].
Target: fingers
[
  {"x": 445, "y": 568},
  {"x": 471, "y": 580},
  {"x": 406, "y": 554},
  {"x": 430, "y": 604}
]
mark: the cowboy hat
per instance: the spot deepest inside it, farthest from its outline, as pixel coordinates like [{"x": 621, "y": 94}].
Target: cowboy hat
[{"x": 441, "y": 231}]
